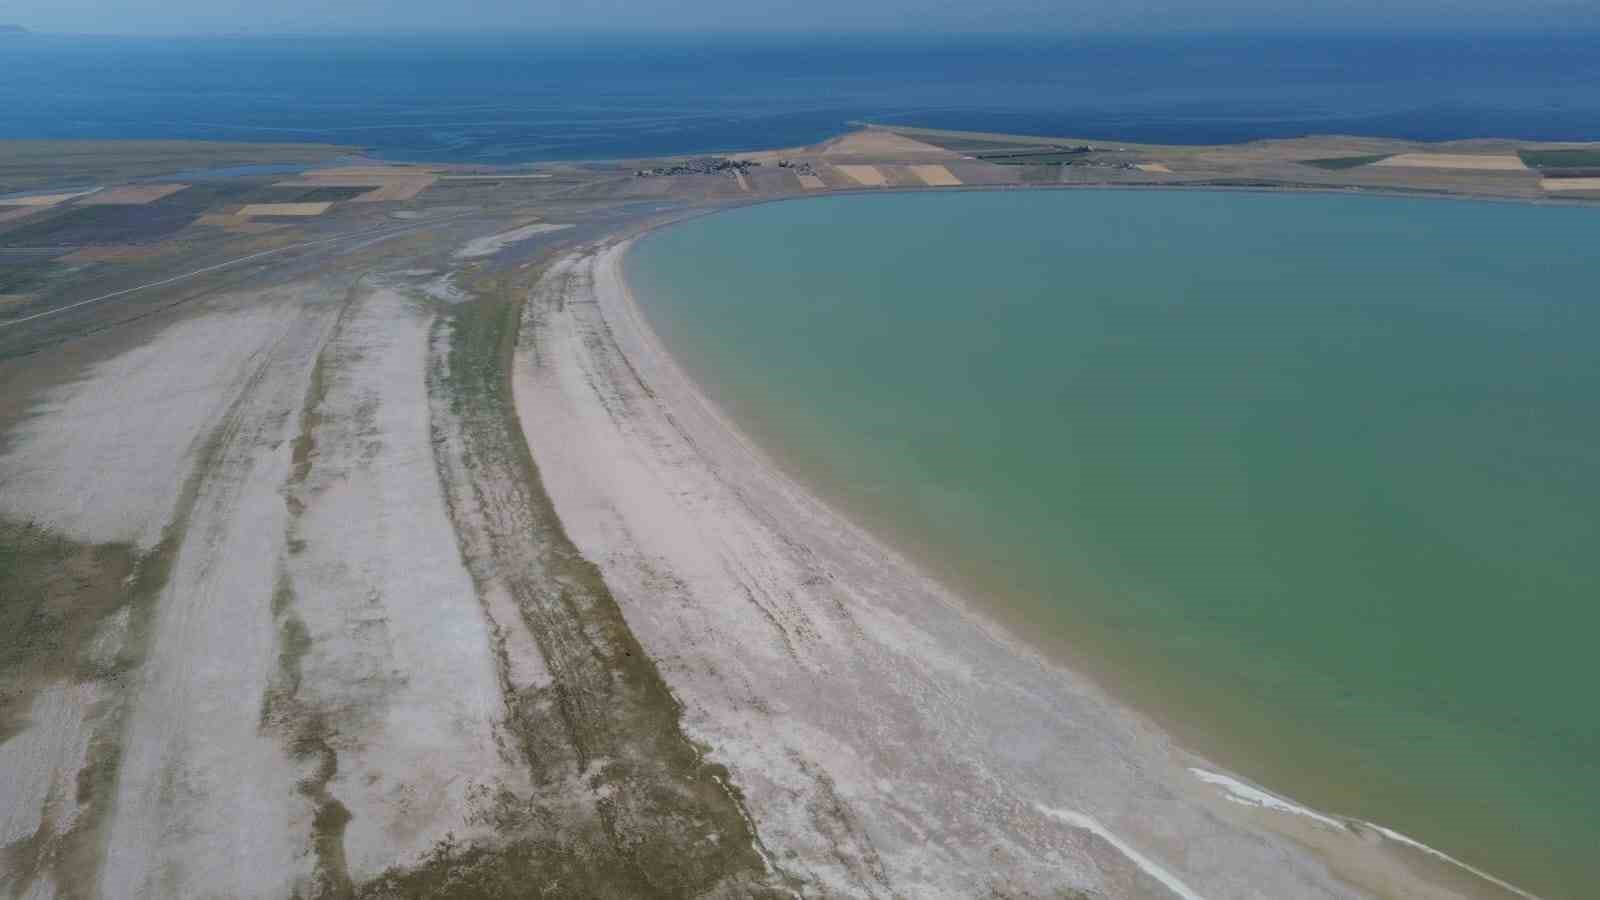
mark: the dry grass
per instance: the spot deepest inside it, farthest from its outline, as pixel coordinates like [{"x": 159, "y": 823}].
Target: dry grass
[
  {"x": 133, "y": 194},
  {"x": 868, "y": 176},
  {"x": 284, "y": 209},
  {"x": 1454, "y": 161},
  {"x": 812, "y": 183},
  {"x": 935, "y": 175},
  {"x": 1157, "y": 168}
]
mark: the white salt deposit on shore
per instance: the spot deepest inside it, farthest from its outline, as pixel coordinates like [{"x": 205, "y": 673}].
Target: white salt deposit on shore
[
  {"x": 494, "y": 243},
  {"x": 828, "y": 674}
]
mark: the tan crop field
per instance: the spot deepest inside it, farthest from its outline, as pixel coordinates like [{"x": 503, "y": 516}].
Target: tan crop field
[
  {"x": 868, "y": 176},
  {"x": 1454, "y": 161},
  {"x": 1570, "y": 184},
  {"x": 935, "y": 175},
  {"x": 877, "y": 142},
  {"x": 812, "y": 183},
  {"x": 284, "y": 209}
]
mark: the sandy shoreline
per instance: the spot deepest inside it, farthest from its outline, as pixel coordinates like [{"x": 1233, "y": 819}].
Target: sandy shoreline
[{"x": 829, "y": 674}]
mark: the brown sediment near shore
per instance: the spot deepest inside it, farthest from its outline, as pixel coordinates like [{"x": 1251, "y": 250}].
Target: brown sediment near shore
[{"x": 830, "y": 673}]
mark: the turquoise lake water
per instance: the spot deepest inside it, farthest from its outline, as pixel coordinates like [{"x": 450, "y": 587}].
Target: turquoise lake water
[{"x": 1315, "y": 479}]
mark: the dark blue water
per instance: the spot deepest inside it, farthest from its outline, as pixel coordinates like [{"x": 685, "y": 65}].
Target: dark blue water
[{"x": 528, "y": 98}]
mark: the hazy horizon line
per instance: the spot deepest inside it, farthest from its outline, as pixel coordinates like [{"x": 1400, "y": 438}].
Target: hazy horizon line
[{"x": 1477, "y": 31}]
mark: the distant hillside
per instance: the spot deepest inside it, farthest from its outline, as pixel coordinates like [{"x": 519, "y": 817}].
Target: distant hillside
[{"x": 12, "y": 29}]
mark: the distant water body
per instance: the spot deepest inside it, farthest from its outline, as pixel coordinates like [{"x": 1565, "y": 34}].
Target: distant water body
[
  {"x": 523, "y": 98},
  {"x": 1315, "y": 478}
]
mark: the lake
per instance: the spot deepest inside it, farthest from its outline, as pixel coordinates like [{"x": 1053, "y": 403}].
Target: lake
[{"x": 1312, "y": 478}]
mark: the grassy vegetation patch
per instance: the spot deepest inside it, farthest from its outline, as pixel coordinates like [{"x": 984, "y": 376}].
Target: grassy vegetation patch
[
  {"x": 54, "y": 595},
  {"x": 1042, "y": 159},
  {"x": 1042, "y": 174},
  {"x": 34, "y": 164},
  {"x": 85, "y": 225},
  {"x": 208, "y": 194},
  {"x": 1336, "y": 163},
  {"x": 625, "y": 805},
  {"x": 1561, "y": 159},
  {"x": 1046, "y": 156},
  {"x": 24, "y": 275}
]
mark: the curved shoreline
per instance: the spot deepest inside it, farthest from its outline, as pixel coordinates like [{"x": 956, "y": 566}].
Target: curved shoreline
[
  {"x": 656, "y": 420},
  {"x": 1232, "y": 785},
  {"x": 1229, "y": 784}
]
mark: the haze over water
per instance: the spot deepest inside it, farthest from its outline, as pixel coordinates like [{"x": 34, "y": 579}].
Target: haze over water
[
  {"x": 1312, "y": 477},
  {"x": 520, "y": 97}
]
